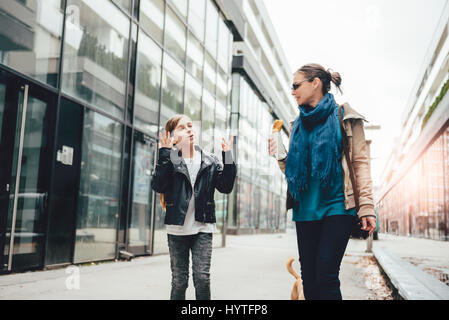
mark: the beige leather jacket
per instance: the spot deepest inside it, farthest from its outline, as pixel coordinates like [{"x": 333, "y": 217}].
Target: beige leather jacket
[{"x": 358, "y": 152}]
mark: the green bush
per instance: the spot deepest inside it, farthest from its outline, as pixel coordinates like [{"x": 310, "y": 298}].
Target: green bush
[{"x": 435, "y": 104}]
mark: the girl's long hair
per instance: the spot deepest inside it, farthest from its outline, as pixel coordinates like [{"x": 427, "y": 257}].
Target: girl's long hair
[{"x": 170, "y": 125}]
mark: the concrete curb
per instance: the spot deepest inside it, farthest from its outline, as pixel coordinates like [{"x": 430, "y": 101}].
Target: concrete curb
[{"x": 411, "y": 282}]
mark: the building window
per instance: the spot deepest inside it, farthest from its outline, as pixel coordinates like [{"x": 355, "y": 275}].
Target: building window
[
  {"x": 192, "y": 101},
  {"x": 175, "y": 36},
  {"x": 147, "y": 92},
  {"x": 96, "y": 54},
  {"x": 197, "y": 10},
  {"x": 30, "y": 37},
  {"x": 195, "y": 57},
  {"x": 99, "y": 194},
  {"x": 151, "y": 17},
  {"x": 172, "y": 88},
  {"x": 212, "y": 28},
  {"x": 181, "y": 6}
]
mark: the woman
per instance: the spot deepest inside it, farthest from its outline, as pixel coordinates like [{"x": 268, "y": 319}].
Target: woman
[
  {"x": 187, "y": 176},
  {"x": 319, "y": 181}
]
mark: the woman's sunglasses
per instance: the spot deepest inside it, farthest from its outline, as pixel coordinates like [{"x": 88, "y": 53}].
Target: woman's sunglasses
[{"x": 297, "y": 84}]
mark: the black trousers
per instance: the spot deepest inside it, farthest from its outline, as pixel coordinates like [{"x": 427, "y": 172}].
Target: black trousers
[{"x": 321, "y": 246}]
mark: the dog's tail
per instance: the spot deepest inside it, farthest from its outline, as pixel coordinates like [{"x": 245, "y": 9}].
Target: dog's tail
[{"x": 290, "y": 268}]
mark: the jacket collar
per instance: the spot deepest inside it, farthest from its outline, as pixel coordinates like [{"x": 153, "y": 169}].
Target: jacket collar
[{"x": 180, "y": 165}]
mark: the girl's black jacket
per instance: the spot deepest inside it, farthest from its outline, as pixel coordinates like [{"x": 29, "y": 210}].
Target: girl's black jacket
[{"x": 171, "y": 177}]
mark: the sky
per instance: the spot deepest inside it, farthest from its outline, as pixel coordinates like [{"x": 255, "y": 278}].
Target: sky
[{"x": 377, "y": 46}]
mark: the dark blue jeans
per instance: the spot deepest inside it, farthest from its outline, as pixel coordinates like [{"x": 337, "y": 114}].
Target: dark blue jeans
[
  {"x": 321, "y": 246},
  {"x": 180, "y": 246}
]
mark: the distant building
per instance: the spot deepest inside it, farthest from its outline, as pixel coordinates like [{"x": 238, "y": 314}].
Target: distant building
[{"x": 414, "y": 197}]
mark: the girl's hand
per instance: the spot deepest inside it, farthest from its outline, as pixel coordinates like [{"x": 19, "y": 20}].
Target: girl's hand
[
  {"x": 167, "y": 141},
  {"x": 227, "y": 145}
]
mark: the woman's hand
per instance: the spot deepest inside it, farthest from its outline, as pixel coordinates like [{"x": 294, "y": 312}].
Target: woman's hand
[
  {"x": 369, "y": 224},
  {"x": 167, "y": 141},
  {"x": 227, "y": 145},
  {"x": 272, "y": 147}
]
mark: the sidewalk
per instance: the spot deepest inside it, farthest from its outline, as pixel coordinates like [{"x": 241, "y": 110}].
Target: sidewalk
[
  {"x": 250, "y": 268},
  {"x": 417, "y": 268}
]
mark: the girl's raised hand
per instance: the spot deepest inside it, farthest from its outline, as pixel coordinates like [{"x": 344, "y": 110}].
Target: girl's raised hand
[
  {"x": 227, "y": 145},
  {"x": 167, "y": 141}
]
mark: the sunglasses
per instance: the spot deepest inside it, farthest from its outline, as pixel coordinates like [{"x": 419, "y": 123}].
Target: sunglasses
[{"x": 297, "y": 84}]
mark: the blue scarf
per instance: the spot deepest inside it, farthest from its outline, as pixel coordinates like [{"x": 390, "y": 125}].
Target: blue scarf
[{"x": 320, "y": 159}]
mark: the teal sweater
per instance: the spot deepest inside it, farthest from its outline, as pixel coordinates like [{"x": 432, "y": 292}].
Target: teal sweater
[{"x": 316, "y": 203}]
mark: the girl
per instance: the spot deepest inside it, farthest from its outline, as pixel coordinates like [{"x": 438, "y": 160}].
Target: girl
[
  {"x": 319, "y": 180},
  {"x": 187, "y": 176}
]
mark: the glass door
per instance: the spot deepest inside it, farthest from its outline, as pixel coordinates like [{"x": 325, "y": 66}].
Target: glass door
[
  {"x": 139, "y": 225},
  {"x": 25, "y": 157}
]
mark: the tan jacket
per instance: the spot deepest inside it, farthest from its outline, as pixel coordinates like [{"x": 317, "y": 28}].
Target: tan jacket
[{"x": 358, "y": 152}]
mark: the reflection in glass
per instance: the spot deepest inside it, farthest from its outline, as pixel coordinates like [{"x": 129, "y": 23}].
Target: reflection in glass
[
  {"x": 96, "y": 54},
  {"x": 98, "y": 203},
  {"x": 160, "y": 235},
  {"x": 192, "y": 102},
  {"x": 30, "y": 37},
  {"x": 147, "y": 93},
  {"x": 181, "y": 6},
  {"x": 223, "y": 57},
  {"x": 212, "y": 28},
  {"x": 207, "y": 122},
  {"x": 125, "y": 4},
  {"x": 143, "y": 158},
  {"x": 151, "y": 17},
  {"x": 197, "y": 10},
  {"x": 175, "y": 36},
  {"x": 222, "y": 87},
  {"x": 195, "y": 55},
  {"x": 209, "y": 73},
  {"x": 172, "y": 88},
  {"x": 30, "y": 226}
]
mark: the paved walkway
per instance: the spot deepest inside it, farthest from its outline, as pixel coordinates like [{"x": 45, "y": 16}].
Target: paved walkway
[{"x": 249, "y": 268}]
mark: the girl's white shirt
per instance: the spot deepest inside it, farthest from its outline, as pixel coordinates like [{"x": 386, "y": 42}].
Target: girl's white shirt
[{"x": 191, "y": 226}]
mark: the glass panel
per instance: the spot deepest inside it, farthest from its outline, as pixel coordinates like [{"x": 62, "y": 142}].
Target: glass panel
[
  {"x": 132, "y": 73},
  {"x": 96, "y": 54},
  {"x": 210, "y": 74},
  {"x": 172, "y": 88},
  {"x": 160, "y": 235},
  {"x": 30, "y": 223},
  {"x": 98, "y": 203},
  {"x": 212, "y": 28},
  {"x": 195, "y": 57},
  {"x": 192, "y": 105},
  {"x": 181, "y": 6},
  {"x": 175, "y": 36},
  {"x": 125, "y": 4},
  {"x": 147, "y": 93},
  {"x": 151, "y": 17},
  {"x": 223, "y": 45},
  {"x": 222, "y": 87},
  {"x": 143, "y": 158},
  {"x": 30, "y": 37},
  {"x": 207, "y": 123},
  {"x": 197, "y": 10}
]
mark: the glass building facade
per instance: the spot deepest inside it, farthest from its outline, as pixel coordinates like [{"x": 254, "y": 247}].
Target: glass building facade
[
  {"x": 418, "y": 205},
  {"x": 259, "y": 196},
  {"x": 85, "y": 87}
]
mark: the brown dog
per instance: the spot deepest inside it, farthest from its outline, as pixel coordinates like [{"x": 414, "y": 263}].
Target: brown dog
[{"x": 297, "y": 291}]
